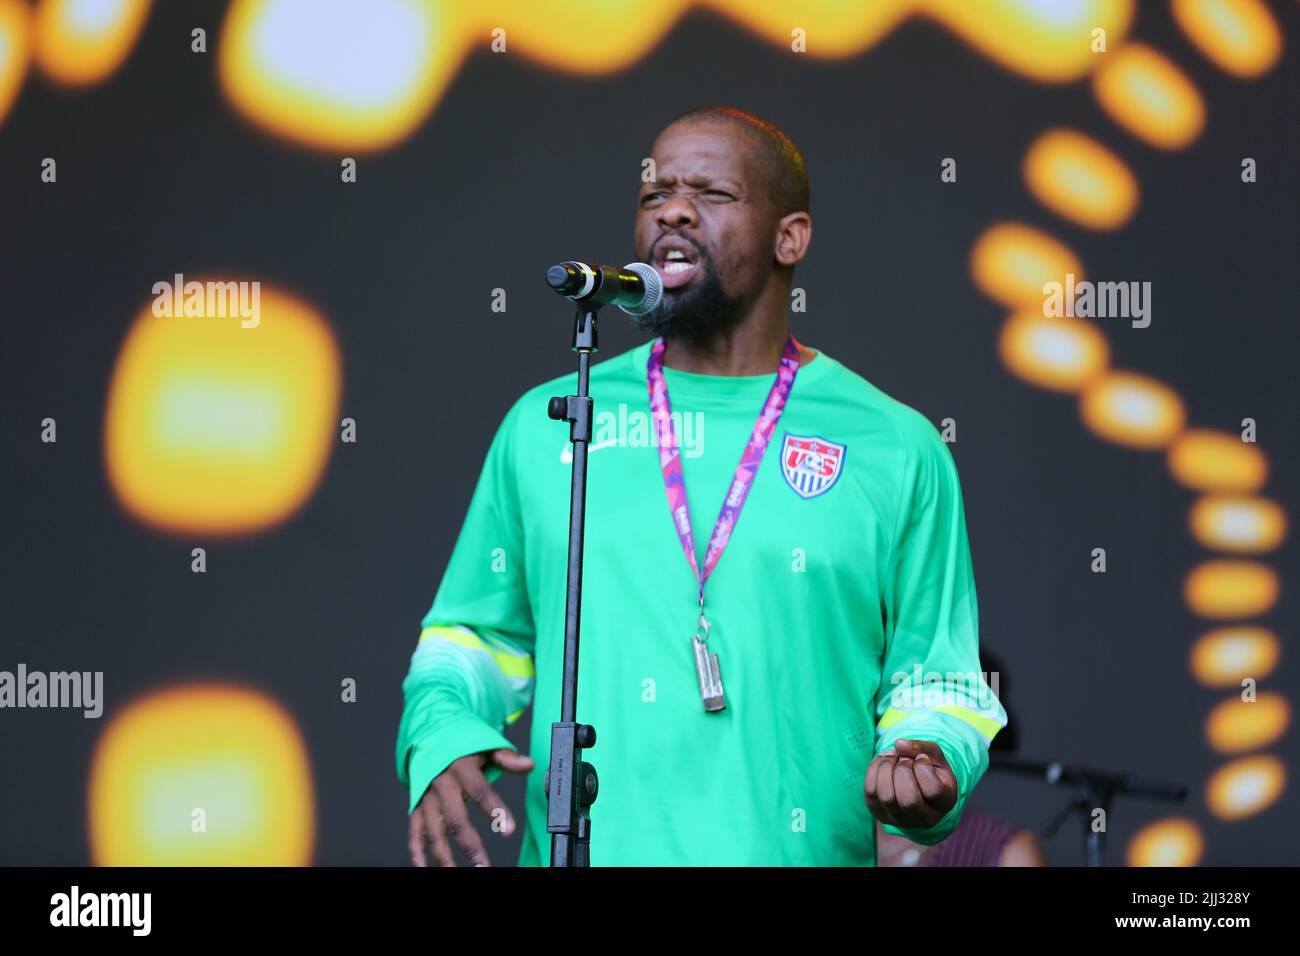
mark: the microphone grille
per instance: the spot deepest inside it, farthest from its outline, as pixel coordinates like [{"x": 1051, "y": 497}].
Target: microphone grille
[{"x": 654, "y": 288}]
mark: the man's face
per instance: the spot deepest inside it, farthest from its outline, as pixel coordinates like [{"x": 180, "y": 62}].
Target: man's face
[{"x": 705, "y": 224}]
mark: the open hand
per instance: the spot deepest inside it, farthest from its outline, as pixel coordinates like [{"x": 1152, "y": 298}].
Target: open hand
[{"x": 441, "y": 813}]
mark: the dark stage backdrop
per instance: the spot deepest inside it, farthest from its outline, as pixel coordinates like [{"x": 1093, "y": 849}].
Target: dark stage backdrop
[{"x": 263, "y": 673}]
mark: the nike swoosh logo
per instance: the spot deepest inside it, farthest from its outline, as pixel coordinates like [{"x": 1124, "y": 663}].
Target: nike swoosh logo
[{"x": 566, "y": 453}]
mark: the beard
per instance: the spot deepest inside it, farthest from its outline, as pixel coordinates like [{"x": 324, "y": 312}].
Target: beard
[{"x": 695, "y": 314}]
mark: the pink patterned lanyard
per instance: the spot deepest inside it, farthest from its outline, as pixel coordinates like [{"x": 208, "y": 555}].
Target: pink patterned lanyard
[{"x": 671, "y": 462}]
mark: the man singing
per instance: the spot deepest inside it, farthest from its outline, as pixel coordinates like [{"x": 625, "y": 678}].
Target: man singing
[{"x": 748, "y": 494}]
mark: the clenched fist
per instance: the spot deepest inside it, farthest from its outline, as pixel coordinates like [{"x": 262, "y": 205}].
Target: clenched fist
[{"x": 911, "y": 786}]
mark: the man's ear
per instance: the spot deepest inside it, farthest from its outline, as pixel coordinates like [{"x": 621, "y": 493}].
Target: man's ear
[{"x": 793, "y": 234}]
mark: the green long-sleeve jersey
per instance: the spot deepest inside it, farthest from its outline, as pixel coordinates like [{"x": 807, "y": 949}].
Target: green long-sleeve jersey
[{"x": 843, "y": 614}]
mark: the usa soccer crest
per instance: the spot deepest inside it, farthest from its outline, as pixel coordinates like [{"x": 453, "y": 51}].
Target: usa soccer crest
[{"x": 811, "y": 465}]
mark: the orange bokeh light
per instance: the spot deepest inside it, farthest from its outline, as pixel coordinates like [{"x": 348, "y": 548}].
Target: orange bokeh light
[
  {"x": 201, "y": 775},
  {"x": 220, "y": 429}
]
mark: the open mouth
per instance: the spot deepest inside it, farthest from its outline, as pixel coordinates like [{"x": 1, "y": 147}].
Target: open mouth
[{"x": 677, "y": 262}]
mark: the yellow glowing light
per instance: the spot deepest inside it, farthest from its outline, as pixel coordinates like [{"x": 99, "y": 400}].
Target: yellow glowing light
[
  {"x": 1240, "y": 36},
  {"x": 1149, "y": 96},
  {"x": 1237, "y": 725},
  {"x": 1079, "y": 179},
  {"x": 1046, "y": 41},
  {"x": 334, "y": 74},
  {"x": 576, "y": 36},
  {"x": 1238, "y": 523},
  {"x": 1244, "y": 787},
  {"x": 1011, "y": 263},
  {"x": 1063, "y": 354},
  {"x": 1132, "y": 410},
  {"x": 1173, "y": 842},
  {"x": 1228, "y": 588},
  {"x": 15, "y": 51},
  {"x": 218, "y": 428},
  {"x": 201, "y": 775},
  {"x": 1217, "y": 461},
  {"x": 1224, "y": 656},
  {"x": 79, "y": 42},
  {"x": 832, "y": 28}
]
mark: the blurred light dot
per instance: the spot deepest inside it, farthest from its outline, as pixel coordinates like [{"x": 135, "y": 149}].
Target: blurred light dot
[
  {"x": 333, "y": 74},
  {"x": 1076, "y": 177},
  {"x": 578, "y": 36},
  {"x": 1132, "y": 410},
  {"x": 1012, "y": 262},
  {"x": 1149, "y": 96},
  {"x": 1225, "y": 656},
  {"x": 1230, "y": 588},
  {"x": 1239, "y": 36},
  {"x": 79, "y": 42},
  {"x": 1236, "y": 523},
  {"x": 1217, "y": 461},
  {"x": 15, "y": 51},
  {"x": 1063, "y": 354},
  {"x": 1047, "y": 40},
  {"x": 219, "y": 429},
  {"x": 227, "y": 751},
  {"x": 1237, "y": 725},
  {"x": 1173, "y": 842},
  {"x": 1246, "y": 786}
]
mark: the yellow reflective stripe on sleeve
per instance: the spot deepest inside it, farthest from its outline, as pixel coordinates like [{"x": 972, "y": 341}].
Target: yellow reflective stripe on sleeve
[
  {"x": 510, "y": 664},
  {"x": 511, "y": 718},
  {"x": 987, "y": 727},
  {"x": 889, "y": 718}
]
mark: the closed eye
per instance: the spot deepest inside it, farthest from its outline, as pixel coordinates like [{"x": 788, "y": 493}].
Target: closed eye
[{"x": 713, "y": 194}]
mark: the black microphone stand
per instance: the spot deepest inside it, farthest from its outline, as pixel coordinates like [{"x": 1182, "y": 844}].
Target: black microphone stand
[
  {"x": 1093, "y": 790},
  {"x": 571, "y": 782}
]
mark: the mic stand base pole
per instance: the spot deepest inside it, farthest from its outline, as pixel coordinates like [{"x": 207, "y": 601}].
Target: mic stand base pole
[
  {"x": 1087, "y": 800},
  {"x": 571, "y": 782}
]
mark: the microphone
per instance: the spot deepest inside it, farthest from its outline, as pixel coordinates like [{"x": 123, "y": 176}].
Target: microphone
[{"x": 636, "y": 288}]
